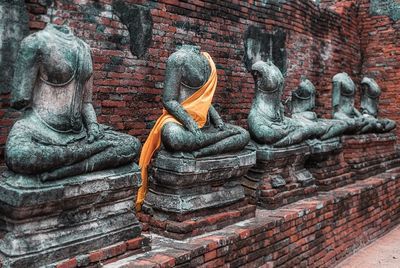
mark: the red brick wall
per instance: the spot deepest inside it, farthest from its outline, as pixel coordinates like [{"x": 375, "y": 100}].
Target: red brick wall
[
  {"x": 319, "y": 44},
  {"x": 380, "y": 46}
]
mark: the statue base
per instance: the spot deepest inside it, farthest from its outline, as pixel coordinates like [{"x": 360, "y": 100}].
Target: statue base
[
  {"x": 370, "y": 154},
  {"x": 327, "y": 165},
  {"x": 46, "y": 222},
  {"x": 188, "y": 197},
  {"x": 279, "y": 177}
]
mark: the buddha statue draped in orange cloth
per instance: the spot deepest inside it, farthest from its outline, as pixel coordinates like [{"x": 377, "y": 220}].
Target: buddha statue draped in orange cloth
[{"x": 190, "y": 126}]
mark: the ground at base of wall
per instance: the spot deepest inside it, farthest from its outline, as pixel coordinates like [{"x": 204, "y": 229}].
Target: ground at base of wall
[{"x": 384, "y": 252}]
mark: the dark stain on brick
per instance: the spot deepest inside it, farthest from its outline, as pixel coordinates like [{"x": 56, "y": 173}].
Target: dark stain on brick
[
  {"x": 119, "y": 40},
  {"x": 14, "y": 27},
  {"x": 187, "y": 26},
  {"x": 116, "y": 60},
  {"x": 91, "y": 11},
  {"x": 139, "y": 22},
  {"x": 259, "y": 44}
]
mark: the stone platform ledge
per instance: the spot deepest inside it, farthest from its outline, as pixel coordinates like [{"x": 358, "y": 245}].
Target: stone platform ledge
[
  {"x": 190, "y": 196},
  {"x": 325, "y": 146},
  {"x": 279, "y": 176},
  {"x": 315, "y": 232},
  {"x": 269, "y": 153},
  {"x": 44, "y": 222},
  {"x": 179, "y": 186},
  {"x": 327, "y": 165},
  {"x": 172, "y": 173},
  {"x": 370, "y": 154},
  {"x": 18, "y": 190}
]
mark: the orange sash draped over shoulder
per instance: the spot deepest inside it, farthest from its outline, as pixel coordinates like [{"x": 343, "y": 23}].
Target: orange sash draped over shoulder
[{"x": 197, "y": 106}]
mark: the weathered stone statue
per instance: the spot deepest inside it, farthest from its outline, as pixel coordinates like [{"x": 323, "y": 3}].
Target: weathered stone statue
[
  {"x": 188, "y": 70},
  {"x": 370, "y": 92},
  {"x": 267, "y": 123},
  {"x": 58, "y": 135},
  {"x": 279, "y": 176},
  {"x": 343, "y": 106},
  {"x": 83, "y": 199},
  {"x": 303, "y": 104},
  {"x": 198, "y": 171}
]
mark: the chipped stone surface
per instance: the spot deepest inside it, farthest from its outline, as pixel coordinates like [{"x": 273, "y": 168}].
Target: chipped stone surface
[
  {"x": 287, "y": 163},
  {"x": 185, "y": 185},
  {"x": 46, "y": 222}
]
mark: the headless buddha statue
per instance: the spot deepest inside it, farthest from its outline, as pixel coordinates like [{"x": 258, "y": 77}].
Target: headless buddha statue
[
  {"x": 187, "y": 71},
  {"x": 303, "y": 104},
  {"x": 343, "y": 106},
  {"x": 189, "y": 127},
  {"x": 58, "y": 135},
  {"x": 267, "y": 123},
  {"x": 370, "y": 92}
]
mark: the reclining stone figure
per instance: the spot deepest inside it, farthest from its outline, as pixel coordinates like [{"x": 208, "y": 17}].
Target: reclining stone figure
[{"x": 58, "y": 135}]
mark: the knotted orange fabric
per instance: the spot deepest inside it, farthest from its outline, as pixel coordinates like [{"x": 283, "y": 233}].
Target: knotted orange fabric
[{"x": 197, "y": 106}]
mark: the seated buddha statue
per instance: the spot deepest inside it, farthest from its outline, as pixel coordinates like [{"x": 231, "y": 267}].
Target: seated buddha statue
[
  {"x": 58, "y": 134},
  {"x": 303, "y": 104},
  {"x": 267, "y": 123},
  {"x": 370, "y": 92},
  {"x": 343, "y": 106},
  {"x": 187, "y": 71},
  {"x": 190, "y": 126}
]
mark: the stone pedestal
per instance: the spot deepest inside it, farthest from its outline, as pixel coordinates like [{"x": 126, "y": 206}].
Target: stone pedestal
[
  {"x": 370, "y": 154},
  {"x": 327, "y": 165},
  {"x": 188, "y": 197},
  {"x": 279, "y": 177},
  {"x": 45, "y": 222}
]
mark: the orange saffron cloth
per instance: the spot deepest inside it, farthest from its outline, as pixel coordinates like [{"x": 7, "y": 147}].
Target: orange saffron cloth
[{"x": 197, "y": 106}]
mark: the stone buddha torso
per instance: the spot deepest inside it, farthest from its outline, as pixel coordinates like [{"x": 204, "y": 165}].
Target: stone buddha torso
[
  {"x": 370, "y": 93},
  {"x": 187, "y": 71},
  {"x": 343, "y": 106},
  {"x": 195, "y": 72},
  {"x": 58, "y": 134},
  {"x": 343, "y": 96},
  {"x": 303, "y": 101},
  {"x": 65, "y": 66}
]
